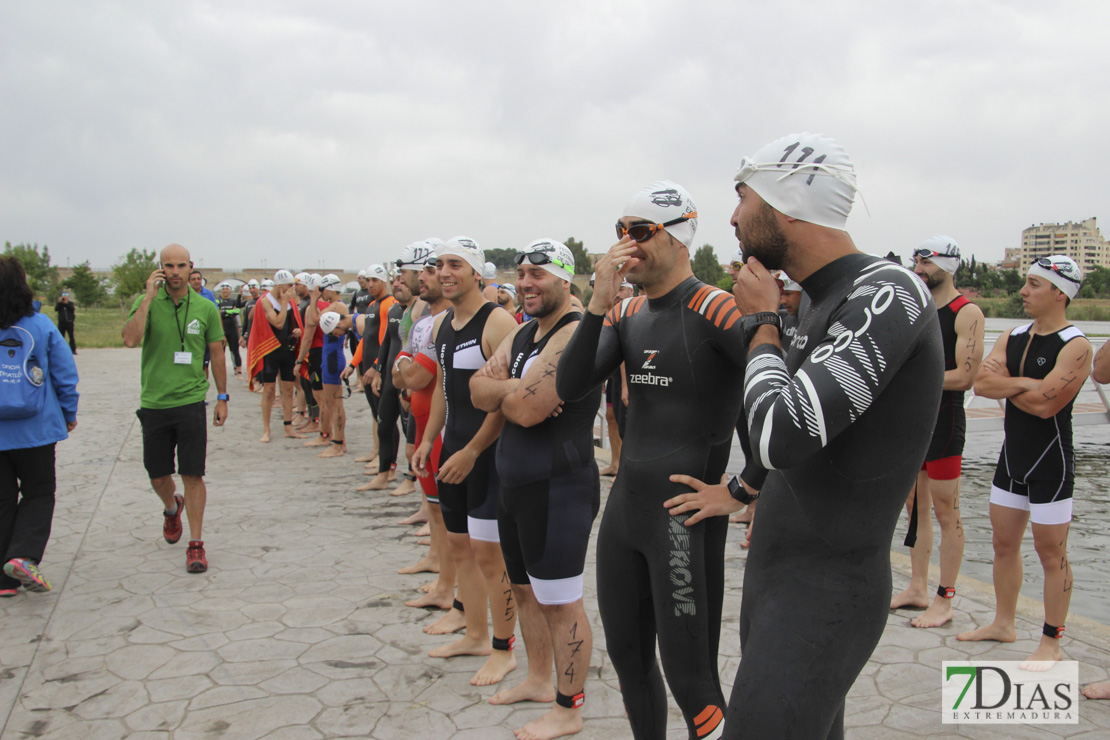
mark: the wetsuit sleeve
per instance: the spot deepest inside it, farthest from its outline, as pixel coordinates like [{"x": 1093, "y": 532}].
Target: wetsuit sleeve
[
  {"x": 356, "y": 358},
  {"x": 383, "y": 350},
  {"x": 870, "y": 336},
  {"x": 591, "y": 356}
]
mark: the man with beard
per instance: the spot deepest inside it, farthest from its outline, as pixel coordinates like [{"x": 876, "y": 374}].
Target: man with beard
[
  {"x": 550, "y": 491},
  {"x": 683, "y": 346},
  {"x": 961, "y": 331},
  {"x": 843, "y": 422},
  {"x": 465, "y": 337}
]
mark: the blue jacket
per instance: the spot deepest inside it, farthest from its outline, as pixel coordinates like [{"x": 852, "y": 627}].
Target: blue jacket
[{"x": 61, "y": 396}]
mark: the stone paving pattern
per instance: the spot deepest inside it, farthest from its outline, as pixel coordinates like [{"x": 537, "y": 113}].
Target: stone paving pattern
[{"x": 298, "y": 629}]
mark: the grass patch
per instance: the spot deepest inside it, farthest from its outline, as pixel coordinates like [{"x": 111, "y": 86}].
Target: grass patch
[
  {"x": 1081, "y": 309},
  {"x": 96, "y": 327}
]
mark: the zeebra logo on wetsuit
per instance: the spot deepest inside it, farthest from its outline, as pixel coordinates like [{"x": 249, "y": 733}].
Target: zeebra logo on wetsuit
[{"x": 651, "y": 353}]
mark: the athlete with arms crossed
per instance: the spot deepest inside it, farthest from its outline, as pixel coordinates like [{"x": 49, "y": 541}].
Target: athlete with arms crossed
[
  {"x": 961, "y": 331},
  {"x": 550, "y": 491},
  {"x": 1038, "y": 368},
  {"x": 682, "y": 343}
]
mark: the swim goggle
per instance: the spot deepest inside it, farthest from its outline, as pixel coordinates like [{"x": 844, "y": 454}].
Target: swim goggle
[
  {"x": 749, "y": 168},
  {"x": 540, "y": 258},
  {"x": 644, "y": 230},
  {"x": 1060, "y": 268}
]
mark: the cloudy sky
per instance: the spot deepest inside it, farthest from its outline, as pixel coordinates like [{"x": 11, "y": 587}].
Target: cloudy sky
[{"x": 331, "y": 134}]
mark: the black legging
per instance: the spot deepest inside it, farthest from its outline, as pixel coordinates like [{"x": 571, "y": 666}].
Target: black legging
[
  {"x": 231, "y": 334},
  {"x": 389, "y": 436}
]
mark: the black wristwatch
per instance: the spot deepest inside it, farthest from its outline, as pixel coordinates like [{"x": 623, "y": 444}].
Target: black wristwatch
[
  {"x": 755, "y": 320},
  {"x": 223, "y": 397},
  {"x": 737, "y": 491}
]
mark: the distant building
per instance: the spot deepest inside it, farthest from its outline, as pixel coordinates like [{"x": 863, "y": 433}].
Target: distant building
[{"x": 1081, "y": 241}]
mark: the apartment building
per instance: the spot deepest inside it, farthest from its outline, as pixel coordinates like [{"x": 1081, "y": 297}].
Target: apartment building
[{"x": 1079, "y": 240}]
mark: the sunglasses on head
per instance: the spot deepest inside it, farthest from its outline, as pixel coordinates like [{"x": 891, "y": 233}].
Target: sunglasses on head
[
  {"x": 641, "y": 232},
  {"x": 1048, "y": 264},
  {"x": 539, "y": 258}
]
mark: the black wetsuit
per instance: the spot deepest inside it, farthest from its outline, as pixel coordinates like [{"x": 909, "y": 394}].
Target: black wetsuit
[
  {"x": 389, "y": 400},
  {"x": 550, "y": 491},
  {"x": 376, "y": 312},
  {"x": 948, "y": 435},
  {"x": 460, "y": 355},
  {"x": 360, "y": 303},
  {"x": 229, "y": 317},
  {"x": 656, "y": 578},
  {"x": 844, "y": 422}
]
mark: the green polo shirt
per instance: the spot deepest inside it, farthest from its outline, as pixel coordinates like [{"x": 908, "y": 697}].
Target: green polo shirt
[{"x": 189, "y": 327}]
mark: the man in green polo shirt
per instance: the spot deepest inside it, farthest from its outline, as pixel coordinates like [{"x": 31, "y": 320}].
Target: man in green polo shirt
[{"x": 175, "y": 326}]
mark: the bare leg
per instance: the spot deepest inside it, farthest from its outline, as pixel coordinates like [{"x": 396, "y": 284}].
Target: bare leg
[
  {"x": 324, "y": 399},
  {"x": 267, "y": 406},
  {"x": 196, "y": 496},
  {"x": 946, "y": 503},
  {"x": 502, "y": 610},
  {"x": 165, "y": 488},
  {"x": 534, "y": 629},
  {"x": 442, "y": 591},
  {"x": 916, "y": 595},
  {"x": 1051, "y": 541},
  {"x": 430, "y": 563},
  {"x": 338, "y": 421},
  {"x": 1009, "y": 526},
  {"x": 573, "y": 641},
  {"x": 472, "y": 594},
  {"x": 614, "y": 442}
]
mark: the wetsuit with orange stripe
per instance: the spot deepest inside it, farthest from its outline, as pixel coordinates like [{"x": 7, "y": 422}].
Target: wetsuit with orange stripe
[
  {"x": 373, "y": 334},
  {"x": 658, "y": 580}
]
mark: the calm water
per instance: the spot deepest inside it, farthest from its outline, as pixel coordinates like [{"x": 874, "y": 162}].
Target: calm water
[{"x": 1090, "y": 534}]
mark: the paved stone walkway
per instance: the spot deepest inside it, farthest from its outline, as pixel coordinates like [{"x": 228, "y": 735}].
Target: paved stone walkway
[{"x": 298, "y": 628}]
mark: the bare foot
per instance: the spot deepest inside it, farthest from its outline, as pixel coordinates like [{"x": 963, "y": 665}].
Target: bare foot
[
  {"x": 996, "y": 632},
  {"x": 611, "y": 470},
  {"x": 938, "y": 614},
  {"x": 425, "y": 541},
  {"x": 334, "y": 451},
  {"x": 429, "y": 586},
  {"x": 558, "y": 722},
  {"x": 312, "y": 427},
  {"x": 416, "y": 518},
  {"x": 407, "y": 486},
  {"x": 1044, "y": 657},
  {"x": 425, "y": 531},
  {"x": 452, "y": 621},
  {"x": 428, "y": 564},
  {"x": 380, "y": 483},
  {"x": 318, "y": 442},
  {"x": 1100, "y": 690},
  {"x": 530, "y": 690},
  {"x": 265, "y": 436},
  {"x": 911, "y": 598},
  {"x": 366, "y": 487},
  {"x": 498, "y": 665},
  {"x": 744, "y": 517},
  {"x": 367, "y": 458},
  {"x": 291, "y": 433},
  {"x": 431, "y": 601},
  {"x": 464, "y": 646}
]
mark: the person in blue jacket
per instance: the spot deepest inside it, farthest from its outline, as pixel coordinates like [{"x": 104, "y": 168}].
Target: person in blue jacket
[{"x": 27, "y": 479}]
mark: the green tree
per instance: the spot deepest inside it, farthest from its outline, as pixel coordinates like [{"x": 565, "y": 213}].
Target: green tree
[
  {"x": 726, "y": 283},
  {"x": 503, "y": 258},
  {"x": 41, "y": 275},
  {"x": 707, "y": 267},
  {"x": 129, "y": 276},
  {"x": 86, "y": 286},
  {"x": 583, "y": 262}
]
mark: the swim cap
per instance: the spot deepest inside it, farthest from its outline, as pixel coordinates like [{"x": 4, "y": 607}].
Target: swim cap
[
  {"x": 376, "y": 272},
  {"x": 509, "y": 288},
  {"x": 283, "y": 277},
  {"x": 1059, "y": 270},
  {"x": 465, "y": 247},
  {"x": 666, "y": 201},
  {"x": 942, "y": 251},
  {"x": 489, "y": 272},
  {"x": 361, "y": 273},
  {"x": 560, "y": 260},
  {"x": 805, "y": 176},
  {"x": 414, "y": 256},
  {"x": 328, "y": 321},
  {"x": 300, "y": 277},
  {"x": 267, "y": 284},
  {"x": 252, "y": 283},
  {"x": 330, "y": 281},
  {"x": 787, "y": 283}
]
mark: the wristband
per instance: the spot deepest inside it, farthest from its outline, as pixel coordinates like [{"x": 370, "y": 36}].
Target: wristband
[
  {"x": 737, "y": 491},
  {"x": 223, "y": 397}
]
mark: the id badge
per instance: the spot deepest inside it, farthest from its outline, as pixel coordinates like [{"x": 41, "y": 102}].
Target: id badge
[{"x": 183, "y": 358}]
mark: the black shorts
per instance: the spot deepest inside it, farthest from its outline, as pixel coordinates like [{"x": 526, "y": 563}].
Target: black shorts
[
  {"x": 410, "y": 426},
  {"x": 314, "y": 359},
  {"x": 470, "y": 507},
  {"x": 280, "y": 361},
  {"x": 545, "y": 530},
  {"x": 183, "y": 429}
]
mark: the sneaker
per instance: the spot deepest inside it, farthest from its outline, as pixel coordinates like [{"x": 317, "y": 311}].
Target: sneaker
[
  {"x": 195, "y": 562},
  {"x": 27, "y": 572},
  {"x": 171, "y": 528},
  {"x": 7, "y": 593}
]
